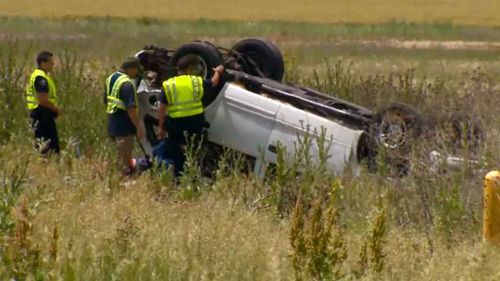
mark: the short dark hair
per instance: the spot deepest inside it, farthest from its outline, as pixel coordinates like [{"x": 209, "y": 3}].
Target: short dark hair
[
  {"x": 43, "y": 56},
  {"x": 131, "y": 62},
  {"x": 186, "y": 62}
]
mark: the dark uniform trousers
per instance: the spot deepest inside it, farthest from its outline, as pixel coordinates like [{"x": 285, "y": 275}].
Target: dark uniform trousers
[
  {"x": 182, "y": 131},
  {"x": 44, "y": 126}
]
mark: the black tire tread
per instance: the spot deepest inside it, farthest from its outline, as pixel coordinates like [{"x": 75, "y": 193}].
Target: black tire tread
[{"x": 274, "y": 67}]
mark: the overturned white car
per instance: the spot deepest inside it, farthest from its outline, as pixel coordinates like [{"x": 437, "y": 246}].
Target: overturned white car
[{"x": 254, "y": 113}]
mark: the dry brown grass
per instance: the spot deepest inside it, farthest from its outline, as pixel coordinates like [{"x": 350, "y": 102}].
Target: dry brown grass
[
  {"x": 473, "y": 12},
  {"x": 81, "y": 227}
]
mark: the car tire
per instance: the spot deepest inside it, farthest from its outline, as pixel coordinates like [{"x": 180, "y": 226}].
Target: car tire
[
  {"x": 209, "y": 57},
  {"x": 395, "y": 129},
  {"x": 259, "y": 58}
]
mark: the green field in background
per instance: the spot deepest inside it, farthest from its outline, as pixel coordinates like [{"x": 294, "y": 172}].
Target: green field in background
[
  {"x": 372, "y": 49},
  {"x": 470, "y": 12}
]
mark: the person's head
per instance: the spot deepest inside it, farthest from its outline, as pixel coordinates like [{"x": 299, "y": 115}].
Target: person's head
[
  {"x": 131, "y": 67},
  {"x": 186, "y": 64},
  {"x": 45, "y": 61}
]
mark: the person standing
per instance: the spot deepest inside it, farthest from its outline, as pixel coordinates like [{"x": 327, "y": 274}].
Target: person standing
[
  {"x": 181, "y": 99},
  {"x": 121, "y": 105},
  {"x": 41, "y": 98}
]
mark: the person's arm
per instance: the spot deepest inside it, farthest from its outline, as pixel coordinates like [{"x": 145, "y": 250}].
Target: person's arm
[
  {"x": 127, "y": 93},
  {"x": 217, "y": 74},
  {"x": 43, "y": 100},
  {"x": 42, "y": 94},
  {"x": 162, "y": 111},
  {"x": 132, "y": 114},
  {"x": 105, "y": 96}
]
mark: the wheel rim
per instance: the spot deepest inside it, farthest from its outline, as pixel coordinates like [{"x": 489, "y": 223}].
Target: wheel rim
[
  {"x": 200, "y": 68},
  {"x": 392, "y": 131}
]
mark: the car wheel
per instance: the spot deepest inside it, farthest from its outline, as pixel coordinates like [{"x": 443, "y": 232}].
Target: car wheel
[
  {"x": 259, "y": 58},
  {"x": 208, "y": 57},
  {"x": 395, "y": 128}
]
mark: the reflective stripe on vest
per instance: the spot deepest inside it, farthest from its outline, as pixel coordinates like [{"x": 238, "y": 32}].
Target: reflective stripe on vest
[
  {"x": 113, "y": 84},
  {"x": 184, "y": 94},
  {"x": 31, "y": 94}
]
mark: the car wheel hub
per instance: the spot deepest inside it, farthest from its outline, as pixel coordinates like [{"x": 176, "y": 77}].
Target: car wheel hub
[
  {"x": 200, "y": 68},
  {"x": 392, "y": 132}
]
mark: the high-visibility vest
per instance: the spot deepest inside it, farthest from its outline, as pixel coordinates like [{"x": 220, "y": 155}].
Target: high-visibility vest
[
  {"x": 113, "y": 84},
  {"x": 31, "y": 93},
  {"x": 184, "y": 94}
]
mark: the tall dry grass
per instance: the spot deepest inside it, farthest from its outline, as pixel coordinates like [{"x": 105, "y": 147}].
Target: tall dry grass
[{"x": 74, "y": 218}]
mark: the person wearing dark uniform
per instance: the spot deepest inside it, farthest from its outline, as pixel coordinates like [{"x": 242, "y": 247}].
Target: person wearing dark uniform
[
  {"x": 41, "y": 98},
  {"x": 121, "y": 105},
  {"x": 181, "y": 98}
]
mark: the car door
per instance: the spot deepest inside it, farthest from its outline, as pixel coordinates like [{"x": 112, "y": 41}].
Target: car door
[
  {"x": 241, "y": 120},
  {"x": 292, "y": 125}
]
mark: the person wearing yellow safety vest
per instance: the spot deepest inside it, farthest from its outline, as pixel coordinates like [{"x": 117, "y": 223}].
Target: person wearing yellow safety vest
[
  {"x": 181, "y": 98},
  {"x": 41, "y": 99},
  {"x": 121, "y": 105}
]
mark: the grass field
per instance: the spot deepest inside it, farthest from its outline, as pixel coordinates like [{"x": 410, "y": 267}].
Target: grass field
[
  {"x": 472, "y": 12},
  {"x": 432, "y": 49},
  {"x": 69, "y": 218}
]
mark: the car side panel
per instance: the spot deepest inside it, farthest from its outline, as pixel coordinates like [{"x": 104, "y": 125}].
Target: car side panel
[
  {"x": 241, "y": 120},
  {"x": 293, "y": 125}
]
